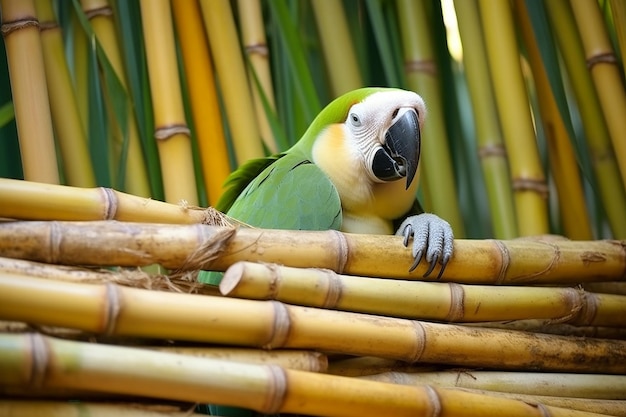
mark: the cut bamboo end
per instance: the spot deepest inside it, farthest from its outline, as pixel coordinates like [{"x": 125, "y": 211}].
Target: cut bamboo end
[
  {"x": 188, "y": 247},
  {"x": 448, "y": 302},
  {"x": 120, "y": 311}
]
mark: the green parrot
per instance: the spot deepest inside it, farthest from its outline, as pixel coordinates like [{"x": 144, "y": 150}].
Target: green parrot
[{"x": 355, "y": 169}]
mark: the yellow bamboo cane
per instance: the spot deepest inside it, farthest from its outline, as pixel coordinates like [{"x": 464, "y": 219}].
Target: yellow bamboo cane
[
  {"x": 618, "y": 11},
  {"x": 491, "y": 149},
  {"x": 205, "y": 109},
  {"x": 121, "y": 311},
  {"x": 550, "y": 327},
  {"x": 189, "y": 247},
  {"x": 605, "y": 72},
  {"x": 564, "y": 166},
  {"x": 421, "y": 72},
  {"x": 231, "y": 73},
  {"x": 255, "y": 44},
  {"x": 604, "y": 164},
  {"x": 171, "y": 131},
  {"x": 267, "y": 389},
  {"x": 88, "y": 409},
  {"x": 100, "y": 14},
  {"x": 448, "y": 302},
  {"x": 20, "y": 30},
  {"x": 529, "y": 184},
  {"x": 80, "y": 70},
  {"x": 337, "y": 47},
  {"x": 38, "y": 201},
  {"x": 63, "y": 105}
]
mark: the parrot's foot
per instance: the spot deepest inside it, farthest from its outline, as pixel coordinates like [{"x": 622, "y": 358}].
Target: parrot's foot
[{"x": 431, "y": 236}]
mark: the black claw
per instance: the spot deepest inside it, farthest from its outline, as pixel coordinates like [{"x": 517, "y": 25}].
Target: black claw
[
  {"x": 408, "y": 231},
  {"x": 444, "y": 263},
  {"x": 433, "y": 263},
  {"x": 418, "y": 259}
]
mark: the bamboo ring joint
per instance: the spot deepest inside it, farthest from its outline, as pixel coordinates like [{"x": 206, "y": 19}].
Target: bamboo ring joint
[{"x": 10, "y": 27}]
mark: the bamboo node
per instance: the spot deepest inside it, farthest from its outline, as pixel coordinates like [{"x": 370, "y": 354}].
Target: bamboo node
[
  {"x": 335, "y": 288},
  {"x": 166, "y": 132},
  {"x": 99, "y": 11},
  {"x": 40, "y": 357},
  {"x": 258, "y": 49},
  {"x": 427, "y": 66},
  {"x": 504, "y": 262},
  {"x": 342, "y": 248},
  {"x": 113, "y": 308},
  {"x": 605, "y": 58},
  {"x": 433, "y": 400},
  {"x": 529, "y": 184},
  {"x": 578, "y": 301},
  {"x": 110, "y": 203},
  {"x": 209, "y": 249},
  {"x": 280, "y": 326},
  {"x": 276, "y": 391},
  {"x": 587, "y": 313},
  {"x": 457, "y": 302},
  {"x": 9, "y": 27},
  {"x": 420, "y": 341},
  {"x": 494, "y": 149}
]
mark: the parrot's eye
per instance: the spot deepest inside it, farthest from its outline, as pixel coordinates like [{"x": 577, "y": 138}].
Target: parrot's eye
[
  {"x": 355, "y": 119},
  {"x": 395, "y": 113}
]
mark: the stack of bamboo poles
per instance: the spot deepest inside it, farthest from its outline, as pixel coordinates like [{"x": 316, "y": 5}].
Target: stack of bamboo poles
[{"x": 315, "y": 323}]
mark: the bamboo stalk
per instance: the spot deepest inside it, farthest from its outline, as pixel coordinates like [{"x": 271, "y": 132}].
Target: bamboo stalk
[
  {"x": 591, "y": 386},
  {"x": 605, "y": 73},
  {"x": 337, "y": 47},
  {"x": 88, "y": 409},
  {"x": 20, "y": 30},
  {"x": 255, "y": 47},
  {"x": 268, "y": 389},
  {"x": 122, "y": 311},
  {"x": 63, "y": 105},
  {"x": 491, "y": 149},
  {"x": 563, "y": 163},
  {"x": 421, "y": 70},
  {"x": 170, "y": 126},
  {"x": 607, "y": 174},
  {"x": 549, "y": 327},
  {"x": 100, "y": 14},
  {"x": 205, "y": 109},
  {"x": 188, "y": 247},
  {"x": 618, "y": 11},
  {"x": 448, "y": 302},
  {"x": 529, "y": 184},
  {"x": 37, "y": 201},
  {"x": 231, "y": 74},
  {"x": 370, "y": 365}
]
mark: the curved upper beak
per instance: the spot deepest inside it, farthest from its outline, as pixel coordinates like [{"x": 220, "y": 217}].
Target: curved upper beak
[{"x": 399, "y": 156}]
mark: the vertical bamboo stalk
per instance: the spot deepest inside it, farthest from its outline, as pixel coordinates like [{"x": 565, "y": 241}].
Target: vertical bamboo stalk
[
  {"x": 80, "y": 69},
  {"x": 605, "y": 73},
  {"x": 255, "y": 44},
  {"x": 100, "y": 14},
  {"x": 337, "y": 47},
  {"x": 63, "y": 105},
  {"x": 20, "y": 29},
  {"x": 171, "y": 131},
  {"x": 529, "y": 184},
  {"x": 611, "y": 190},
  {"x": 491, "y": 149},
  {"x": 563, "y": 162},
  {"x": 231, "y": 73},
  {"x": 421, "y": 72}
]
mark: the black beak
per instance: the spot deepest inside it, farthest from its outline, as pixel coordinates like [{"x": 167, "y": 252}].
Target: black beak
[{"x": 401, "y": 152}]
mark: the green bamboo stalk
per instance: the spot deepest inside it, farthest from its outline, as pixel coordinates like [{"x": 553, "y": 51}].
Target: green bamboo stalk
[
  {"x": 421, "y": 71},
  {"x": 529, "y": 184},
  {"x": 491, "y": 149}
]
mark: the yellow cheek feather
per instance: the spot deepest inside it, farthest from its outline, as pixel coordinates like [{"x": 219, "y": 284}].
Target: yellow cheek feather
[{"x": 368, "y": 206}]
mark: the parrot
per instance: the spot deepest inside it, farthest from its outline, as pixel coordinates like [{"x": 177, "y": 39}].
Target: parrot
[{"x": 355, "y": 169}]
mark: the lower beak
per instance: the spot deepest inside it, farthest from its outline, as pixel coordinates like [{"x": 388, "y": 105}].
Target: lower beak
[{"x": 399, "y": 156}]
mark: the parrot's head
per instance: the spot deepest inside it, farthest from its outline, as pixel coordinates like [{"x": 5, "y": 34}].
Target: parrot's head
[{"x": 375, "y": 128}]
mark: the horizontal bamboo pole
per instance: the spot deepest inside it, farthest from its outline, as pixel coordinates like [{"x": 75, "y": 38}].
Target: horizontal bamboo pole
[
  {"x": 28, "y": 200},
  {"x": 602, "y": 387},
  {"x": 34, "y": 360},
  {"x": 448, "y": 302},
  {"x": 512, "y": 262},
  {"x": 550, "y": 327},
  {"x": 121, "y": 311},
  {"x": 88, "y": 409}
]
